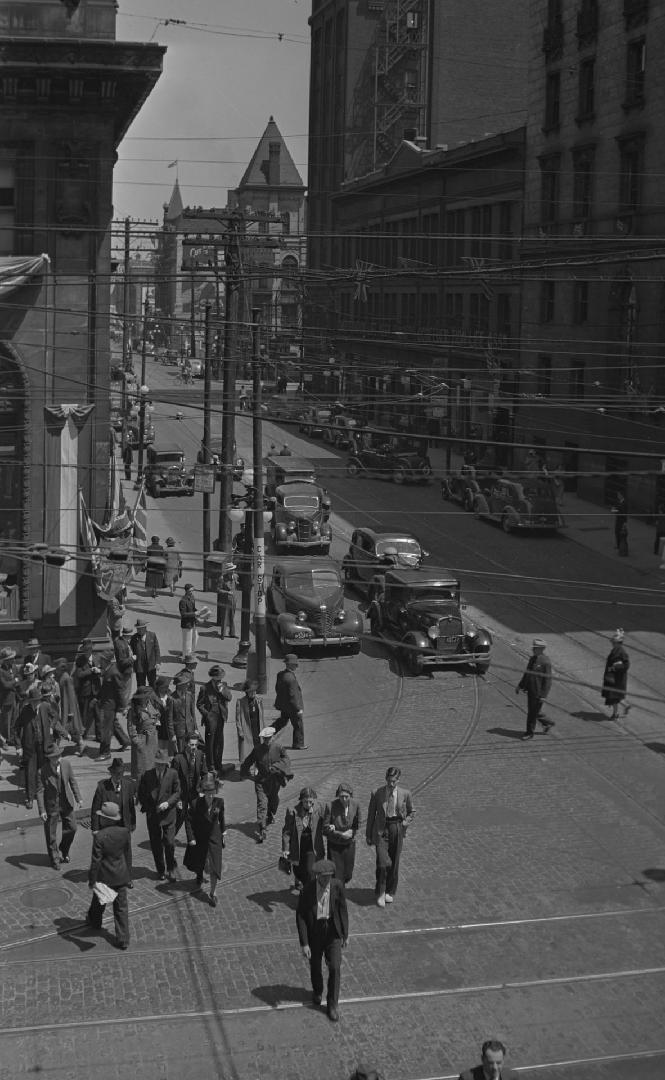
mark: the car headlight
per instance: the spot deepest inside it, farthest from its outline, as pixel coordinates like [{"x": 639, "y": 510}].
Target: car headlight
[
  {"x": 433, "y": 632},
  {"x": 291, "y": 526},
  {"x": 315, "y": 527},
  {"x": 301, "y": 617},
  {"x": 340, "y": 616},
  {"x": 472, "y": 634}
]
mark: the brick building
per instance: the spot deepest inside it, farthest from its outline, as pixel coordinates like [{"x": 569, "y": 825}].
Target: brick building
[{"x": 68, "y": 93}]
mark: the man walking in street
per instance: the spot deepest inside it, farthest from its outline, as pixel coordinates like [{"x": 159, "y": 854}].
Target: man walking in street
[
  {"x": 127, "y": 460},
  {"x": 323, "y": 930},
  {"x": 226, "y": 601},
  {"x": 249, "y": 720},
  {"x": 388, "y": 817},
  {"x": 33, "y": 736},
  {"x": 114, "y": 697},
  {"x": 536, "y": 683},
  {"x": 190, "y": 766},
  {"x": 142, "y": 723},
  {"x": 288, "y": 699},
  {"x": 187, "y": 609},
  {"x": 272, "y": 772},
  {"x": 119, "y": 789},
  {"x": 491, "y": 1067},
  {"x": 159, "y": 795},
  {"x": 110, "y": 871},
  {"x": 213, "y": 704},
  {"x": 180, "y": 715},
  {"x": 145, "y": 646},
  {"x": 58, "y": 798}
]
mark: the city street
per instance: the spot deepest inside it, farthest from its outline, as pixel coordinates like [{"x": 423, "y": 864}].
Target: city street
[{"x": 531, "y": 905}]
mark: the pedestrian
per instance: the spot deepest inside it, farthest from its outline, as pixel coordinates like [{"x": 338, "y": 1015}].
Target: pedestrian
[
  {"x": 33, "y": 654},
  {"x": 123, "y": 652},
  {"x": 70, "y": 714},
  {"x": 191, "y": 768},
  {"x": 226, "y": 600},
  {"x": 112, "y": 703},
  {"x": 213, "y": 704},
  {"x": 302, "y": 835},
  {"x": 389, "y": 815},
  {"x": 272, "y": 771},
  {"x": 58, "y": 798},
  {"x": 615, "y": 676},
  {"x": 180, "y": 714},
  {"x": 155, "y": 567},
  {"x": 115, "y": 612},
  {"x": 9, "y": 700},
  {"x": 119, "y": 789},
  {"x": 249, "y": 719},
  {"x": 161, "y": 699},
  {"x": 142, "y": 723},
  {"x": 145, "y": 646},
  {"x": 127, "y": 459},
  {"x": 536, "y": 683},
  {"x": 110, "y": 872},
  {"x": 209, "y": 830},
  {"x": 323, "y": 930},
  {"x": 158, "y": 795},
  {"x": 620, "y": 511},
  {"x": 187, "y": 609},
  {"x": 341, "y": 822},
  {"x": 86, "y": 677},
  {"x": 286, "y": 451},
  {"x": 288, "y": 699},
  {"x": 188, "y": 670},
  {"x": 491, "y": 1067},
  {"x": 173, "y": 565},
  {"x": 660, "y": 527},
  {"x": 32, "y": 736}
]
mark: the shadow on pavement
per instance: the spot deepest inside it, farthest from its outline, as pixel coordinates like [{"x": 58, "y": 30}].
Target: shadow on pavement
[
  {"x": 247, "y": 828},
  {"x": 506, "y": 733},
  {"x": 22, "y": 862},
  {"x": 656, "y": 874},
  {"x": 73, "y": 930},
  {"x": 591, "y": 717},
  {"x": 361, "y": 897},
  {"x": 271, "y": 898},
  {"x": 657, "y": 747},
  {"x": 278, "y": 992}
]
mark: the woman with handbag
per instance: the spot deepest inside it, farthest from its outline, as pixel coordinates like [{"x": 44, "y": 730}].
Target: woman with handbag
[
  {"x": 208, "y": 827},
  {"x": 615, "y": 677}
]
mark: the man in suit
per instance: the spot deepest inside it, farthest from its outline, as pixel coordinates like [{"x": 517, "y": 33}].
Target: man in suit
[
  {"x": 536, "y": 683},
  {"x": 8, "y": 695},
  {"x": 159, "y": 794},
  {"x": 323, "y": 930},
  {"x": 180, "y": 714},
  {"x": 33, "y": 736},
  {"x": 491, "y": 1067},
  {"x": 212, "y": 703},
  {"x": 187, "y": 609},
  {"x": 110, "y": 865},
  {"x": 226, "y": 600},
  {"x": 145, "y": 646},
  {"x": 190, "y": 766},
  {"x": 114, "y": 697},
  {"x": 249, "y": 720},
  {"x": 388, "y": 817},
  {"x": 32, "y": 654},
  {"x": 288, "y": 699},
  {"x": 272, "y": 771},
  {"x": 119, "y": 789},
  {"x": 57, "y": 800}
]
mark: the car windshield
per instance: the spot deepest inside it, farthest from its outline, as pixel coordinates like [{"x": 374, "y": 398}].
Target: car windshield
[
  {"x": 319, "y": 582},
  {"x": 402, "y": 547},
  {"x": 433, "y": 596},
  {"x": 168, "y": 459},
  {"x": 301, "y": 502}
]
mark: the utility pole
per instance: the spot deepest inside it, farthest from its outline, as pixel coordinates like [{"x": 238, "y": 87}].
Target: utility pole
[
  {"x": 232, "y": 285},
  {"x": 126, "y": 358},
  {"x": 142, "y": 396},
  {"x": 207, "y": 387},
  {"x": 217, "y": 371},
  {"x": 259, "y": 526},
  {"x": 192, "y": 317}
]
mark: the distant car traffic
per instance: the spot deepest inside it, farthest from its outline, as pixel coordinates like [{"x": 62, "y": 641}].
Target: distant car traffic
[
  {"x": 313, "y": 421},
  {"x": 393, "y": 458},
  {"x": 165, "y": 472},
  {"x": 340, "y": 431},
  {"x": 372, "y": 553},
  {"x": 420, "y": 616},
  {"x": 306, "y": 597},
  {"x": 519, "y": 503}
]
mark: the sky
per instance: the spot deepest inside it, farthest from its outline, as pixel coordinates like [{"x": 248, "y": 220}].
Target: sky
[{"x": 226, "y": 71}]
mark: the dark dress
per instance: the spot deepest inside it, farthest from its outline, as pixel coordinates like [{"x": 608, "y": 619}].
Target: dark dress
[
  {"x": 208, "y": 828},
  {"x": 615, "y": 677},
  {"x": 155, "y": 573}
]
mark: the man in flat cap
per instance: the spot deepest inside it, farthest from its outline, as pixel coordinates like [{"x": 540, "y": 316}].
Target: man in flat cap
[
  {"x": 302, "y": 835},
  {"x": 288, "y": 699},
  {"x": 58, "y": 799},
  {"x": 323, "y": 930},
  {"x": 159, "y": 795},
  {"x": 272, "y": 771},
  {"x": 536, "y": 683},
  {"x": 213, "y": 704},
  {"x": 110, "y": 871}
]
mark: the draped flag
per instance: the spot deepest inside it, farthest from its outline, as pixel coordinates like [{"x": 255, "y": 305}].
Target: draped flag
[
  {"x": 15, "y": 271},
  {"x": 139, "y": 519},
  {"x": 89, "y": 542}
]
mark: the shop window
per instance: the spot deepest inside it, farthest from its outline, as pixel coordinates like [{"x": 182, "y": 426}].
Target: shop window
[
  {"x": 552, "y": 101},
  {"x": 547, "y": 297}
]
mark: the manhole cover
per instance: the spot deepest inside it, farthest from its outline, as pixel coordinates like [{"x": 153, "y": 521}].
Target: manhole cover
[{"x": 49, "y": 897}]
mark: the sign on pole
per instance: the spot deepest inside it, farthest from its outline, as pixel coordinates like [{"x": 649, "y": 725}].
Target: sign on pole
[{"x": 204, "y": 479}]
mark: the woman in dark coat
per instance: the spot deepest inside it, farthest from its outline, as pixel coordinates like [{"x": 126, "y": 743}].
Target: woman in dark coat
[
  {"x": 155, "y": 570},
  {"x": 208, "y": 828},
  {"x": 340, "y": 824},
  {"x": 615, "y": 677}
]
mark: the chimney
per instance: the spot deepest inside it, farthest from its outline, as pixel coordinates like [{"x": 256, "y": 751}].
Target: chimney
[{"x": 273, "y": 164}]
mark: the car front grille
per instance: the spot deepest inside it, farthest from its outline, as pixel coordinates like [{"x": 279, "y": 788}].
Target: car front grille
[
  {"x": 450, "y": 632},
  {"x": 322, "y": 622},
  {"x": 304, "y": 529}
]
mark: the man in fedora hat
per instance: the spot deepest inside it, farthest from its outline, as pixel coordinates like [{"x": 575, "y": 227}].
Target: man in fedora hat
[
  {"x": 143, "y": 719},
  {"x": 32, "y": 654},
  {"x": 124, "y": 654},
  {"x": 323, "y": 930},
  {"x": 288, "y": 699},
  {"x": 8, "y": 695},
  {"x": 114, "y": 697},
  {"x": 110, "y": 866},
  {"x": 119, "y": 789},
  {"x": 249, "y": 719},
  {"x": 190, "y": 766},
  {"x": 180, "y": 714},
  {"x": 536, "y": 683},
  {"x": 145, "y": 646},
  {"x": 226, "y": 600},
  {"x": 213, "y": 704},
  {"x": 159, "y": 795},
  {"x": 33, "y": 734},
  {"x": 57, "y": 800},
  {"x": 272, "y": 771},
  {"x": 188, "y": 670},
  {"x": 209, "y": 828}
]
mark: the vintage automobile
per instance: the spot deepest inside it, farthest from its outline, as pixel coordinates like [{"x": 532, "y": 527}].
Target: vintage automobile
[
  {"x": 420, "y": 615},
  {"x": 300, "y": 506},
  {"x": 371, "y": 553},
  {"x": 216, "y": 458},
  {"x": 313, "y": 421},
  {"x": 165, "y": 472},
  {"x": 340, "y": 431},
  {"x": 306, "y": 600},
  {"x": 391, "y": 457},
  {"x": 461, "y": 486},
  {"x": 519, "y": 503}
]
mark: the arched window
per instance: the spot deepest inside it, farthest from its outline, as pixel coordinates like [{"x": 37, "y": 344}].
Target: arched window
[{"x": 12, "y": 494}]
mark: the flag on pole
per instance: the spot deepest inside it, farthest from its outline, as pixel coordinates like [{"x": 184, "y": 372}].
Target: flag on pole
[
  {"x": 139, "y": 519},
  {"x": 88, "y": 535}
]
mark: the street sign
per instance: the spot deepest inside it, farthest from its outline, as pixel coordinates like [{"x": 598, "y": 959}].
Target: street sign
[{"x": 204, "y": 479}]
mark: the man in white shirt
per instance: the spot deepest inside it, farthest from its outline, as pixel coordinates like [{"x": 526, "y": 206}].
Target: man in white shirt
[{"x": 388, "y": 817}]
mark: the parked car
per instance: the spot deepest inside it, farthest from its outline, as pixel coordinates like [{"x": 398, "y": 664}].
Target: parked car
[
  {"x": 300, "y": 506},
  {"x": 306, "y": 597},
  {"x": 197, "y": 369},
  {"x": 420, "y": 615},
  {"x": 313, "y": 421},
  {"x": 216, "y": 458},
  {"x": 165, "y": 472},
  {"x": 393, "y": 458},
  {"x": 371, "y": 553},
  {"x": 519, "y": 503},
  {"x": 341, "y": 431},
  {"x": 461, "y": 486}
]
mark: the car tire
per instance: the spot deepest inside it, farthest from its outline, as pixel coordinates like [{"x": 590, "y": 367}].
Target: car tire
[
  {"x": 352, "y": 468},
  {"x": 415, "y": 663},
  {"x": 399, "y": 476},
  {"x": 467, "y": 502},
  {"x": 445, "y": 491},
  {"x": 482, "y": 667},
  {"x": 157, "y": 491},
  {"x": 506, "y": 524},
  {"x": 426, "y": 473}
]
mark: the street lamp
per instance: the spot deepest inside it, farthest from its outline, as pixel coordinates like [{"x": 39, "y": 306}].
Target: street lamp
[
  {"x": 247, "y": 567},
  {"x": 143, "y": 400}
]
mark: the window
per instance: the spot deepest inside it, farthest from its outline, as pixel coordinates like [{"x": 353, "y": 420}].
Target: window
[
  {"x": 549, "y": 188},
  {"x": 479, "y": 312},
  {"x": 586, "y": 90},
  {"x": 475, "y": 232},
  {"x": 429, "y": 248},
  {"x": 580, "y": 302},
  {"x": 544, "y": 384},
  {"x": 631, "y": 157},
  {"x": 635, "y": 74},
  {"x": 553, "y": 32},
  {"x": 577, "y": 380},
  {"x": 587, "y": 23},
  {"x": 547, "y": 294},
  {"x": 456, "y": 240},
  {"x": 583, "y": 162},
  {"x": 7, "y": 206},
  {"x": 504, "y": 320},
  {"x": 505, "y": 231},
  {"x": 286, "y": 223},
  {"x": 486, "y": 233},
  {"x": 552, "y": 101}
]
